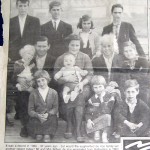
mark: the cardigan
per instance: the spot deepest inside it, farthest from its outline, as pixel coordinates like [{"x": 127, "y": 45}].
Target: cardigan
[
  {"x": 94, "y": 42},
  {"x": 38, "y": 106}
]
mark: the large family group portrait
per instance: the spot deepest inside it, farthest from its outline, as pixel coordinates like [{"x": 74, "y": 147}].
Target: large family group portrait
[{"x": 97, "y": 83}]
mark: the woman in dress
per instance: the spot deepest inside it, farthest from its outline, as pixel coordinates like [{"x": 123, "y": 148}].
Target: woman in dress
[{"x": 75, "y": 108}]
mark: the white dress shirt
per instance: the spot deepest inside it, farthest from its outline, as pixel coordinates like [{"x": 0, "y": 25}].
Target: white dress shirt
[
  {"x": 22, "y": 23},
  {"x": 40, "y": 61},
  {"x": 131, "y": 105},
  {"x": 108, "y": 62},
  {"x": 57, "y": 23}
]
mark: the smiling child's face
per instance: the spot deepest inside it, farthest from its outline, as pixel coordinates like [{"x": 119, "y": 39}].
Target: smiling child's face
[
  {"x": 130, "y": 53},
  {"x": 42, "y": 83},
  {"x": 69, "y": 61}
]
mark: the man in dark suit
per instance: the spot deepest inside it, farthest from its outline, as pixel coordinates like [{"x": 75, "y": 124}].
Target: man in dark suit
[
  {"x": 23, "y": 29},
  {"x": 43, "y": 60},
  {"x": 56, "y": 30},
  {"x": 124, "y": 31}
]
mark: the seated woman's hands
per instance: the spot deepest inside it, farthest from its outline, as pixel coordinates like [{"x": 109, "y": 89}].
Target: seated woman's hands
[
  {"x": 43, "y": 117},
  {"x": 90, "y": 124},
  {"x": 80, "y": 86}
]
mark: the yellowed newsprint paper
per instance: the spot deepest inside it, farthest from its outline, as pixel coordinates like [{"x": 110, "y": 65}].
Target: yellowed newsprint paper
[{"x": 74, "y": 75}]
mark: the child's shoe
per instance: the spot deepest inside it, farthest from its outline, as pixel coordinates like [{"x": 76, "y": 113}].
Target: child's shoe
[
  {"x": 104, "y": 137},
  {"x": 116, "y": 135},
  {"x": 97, "y": 135},
  {"x": 46, "y": 139}
]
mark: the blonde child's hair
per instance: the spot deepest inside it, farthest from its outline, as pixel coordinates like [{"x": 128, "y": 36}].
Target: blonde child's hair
[
  {"x": 27, "y": 49},
  {"x": 97, "y": 80},
  {"x": 69, "y": 55},
  {"x": 110, "y": 38}
]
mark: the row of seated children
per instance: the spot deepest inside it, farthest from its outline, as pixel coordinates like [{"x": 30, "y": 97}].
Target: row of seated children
[{"x": 43, "y": 108}]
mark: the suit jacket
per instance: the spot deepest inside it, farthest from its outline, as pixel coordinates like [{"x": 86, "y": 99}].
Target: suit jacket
[
  {"x": 49, "y": 67},
  {"x": 56, "y": 38},
  {"x": 140, "y": 114},
  {"x": 100, "y": 68},
  {"x": 126, "y": 33},
  {"x": 30, "y": 33}
]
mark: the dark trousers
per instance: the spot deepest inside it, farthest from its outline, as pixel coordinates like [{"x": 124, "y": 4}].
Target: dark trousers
[{"x": 23, "y": 104}]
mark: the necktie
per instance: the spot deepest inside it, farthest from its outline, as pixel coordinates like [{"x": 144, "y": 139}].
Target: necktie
[
  {"x": 55, "y": 25},
  {"x": 116, "y": 32}
]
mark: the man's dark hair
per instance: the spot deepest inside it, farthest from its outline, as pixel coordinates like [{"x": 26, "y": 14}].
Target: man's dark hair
[
  {"x": 42, "y": 39},
  {"x": 116, "y": 5},
  {"x": 22, "y": 1},
  {"x": 54, "y": 3}
]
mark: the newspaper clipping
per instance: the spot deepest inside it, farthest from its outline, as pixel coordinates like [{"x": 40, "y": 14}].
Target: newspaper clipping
[{"x": 74, "y": 75}]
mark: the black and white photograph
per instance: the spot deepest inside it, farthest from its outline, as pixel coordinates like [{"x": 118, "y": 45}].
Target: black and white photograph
[{"x": 78, "y": 71}]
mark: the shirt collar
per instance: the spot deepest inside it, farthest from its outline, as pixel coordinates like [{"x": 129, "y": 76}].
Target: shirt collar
[
  {"x": 37, "y": 57},
  {"x": 128, "y": 103},
  {"x": 110, "y": 58},
  {"x": 57, "y": 21},
  {"x": 46, "y": 89},
  {"x": 81, "y": 32},
  {"x": 22, "y": 18},
  {"x": 116, "y": 23},
  {"x": 96, "y": 96}
]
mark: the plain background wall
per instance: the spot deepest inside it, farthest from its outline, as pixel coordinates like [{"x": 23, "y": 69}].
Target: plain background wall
[{"x": 135, "y": 12}]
